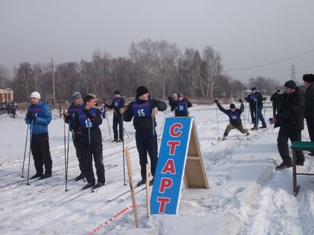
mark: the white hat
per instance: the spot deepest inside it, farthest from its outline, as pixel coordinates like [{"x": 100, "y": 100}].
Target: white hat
[{"x": 35, "y": 94}]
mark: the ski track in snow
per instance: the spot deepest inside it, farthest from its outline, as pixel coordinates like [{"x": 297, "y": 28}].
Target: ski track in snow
[{"x": 44, "y": 207}]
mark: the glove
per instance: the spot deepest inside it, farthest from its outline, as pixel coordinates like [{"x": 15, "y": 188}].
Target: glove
[
  {"x": 241, "y": 101},
  {"x": 31, "y": 115},
  {"x": 68, "y": 117},
  {"x": 264, "y": 98},
  {"x": 216, "y": 101},
  {"x": 88, "y": 114}
]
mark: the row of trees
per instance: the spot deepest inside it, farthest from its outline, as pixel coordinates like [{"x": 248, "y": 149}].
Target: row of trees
[{"x": 161, "y": 66}]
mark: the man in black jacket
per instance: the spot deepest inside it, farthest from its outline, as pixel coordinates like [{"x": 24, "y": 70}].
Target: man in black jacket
[
  {"x": 88, "y": 118},
  {"x": 276, "y": 99},
  {"x": 117, "y": 104},
  {"x": 309, "y": 105},
  {"x": 256, "y": 100},
  {"x": 234, "y": 117},
  {"x": 290, "y": 119},
  {"x": 143, "y": 112}
]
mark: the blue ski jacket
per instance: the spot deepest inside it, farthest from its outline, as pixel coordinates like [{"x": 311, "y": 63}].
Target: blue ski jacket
[{"x": 43, "y": 114}]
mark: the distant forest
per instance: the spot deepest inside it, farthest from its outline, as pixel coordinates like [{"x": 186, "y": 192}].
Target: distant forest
[{"x": 161, "y": 66}]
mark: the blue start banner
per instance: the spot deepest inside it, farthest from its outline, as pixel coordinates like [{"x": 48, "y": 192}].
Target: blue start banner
[{"x": 171, "y": 164}]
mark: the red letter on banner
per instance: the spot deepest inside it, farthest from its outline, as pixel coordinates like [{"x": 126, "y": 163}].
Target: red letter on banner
[
  {"x": 169, "y": 167},
  {"x": 173, "y": 130},
  {"x": 173, "y": 145},
  {"x": 164, "y": 184},
  {"x": 163, "y": 201}
]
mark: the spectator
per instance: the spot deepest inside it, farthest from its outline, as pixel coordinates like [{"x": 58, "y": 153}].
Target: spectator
[{"x": 290, "y": 120}]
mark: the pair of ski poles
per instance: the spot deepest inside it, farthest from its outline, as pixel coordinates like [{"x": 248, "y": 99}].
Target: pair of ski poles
[{"x": 28, "y": 130}]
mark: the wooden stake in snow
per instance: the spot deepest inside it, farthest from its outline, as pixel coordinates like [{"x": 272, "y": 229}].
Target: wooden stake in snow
[
  {"x": 147, "y": 192},
  {"x": 128, "y": 162}
]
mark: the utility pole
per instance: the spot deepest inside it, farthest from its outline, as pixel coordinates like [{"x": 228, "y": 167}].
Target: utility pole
[
  {"x": 293, "y": 77},
  {"x": 53, "y": 81}
]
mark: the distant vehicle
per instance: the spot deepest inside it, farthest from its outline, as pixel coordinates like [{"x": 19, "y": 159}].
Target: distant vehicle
[{"x": 3, "y": 105}]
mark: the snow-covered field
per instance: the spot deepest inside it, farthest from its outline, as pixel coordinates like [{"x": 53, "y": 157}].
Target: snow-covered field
[{"x": 245, "y": 196}]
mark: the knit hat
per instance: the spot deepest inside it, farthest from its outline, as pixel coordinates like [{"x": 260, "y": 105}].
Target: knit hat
[
  {"x": 35, "y": 94},
  {"x": 174, "y": 95},
  {"x": 232, "y": 106},
  {"x": 253, "y": 88},
  {"x": 141, "y": 90},
  {"x": 75, "y": 95},
  {"x": 180, "y": 94},
  {"x": 116, "y": 92},
  {"x": 308, "y": 78},
  {"x": 291, "y": 84}
]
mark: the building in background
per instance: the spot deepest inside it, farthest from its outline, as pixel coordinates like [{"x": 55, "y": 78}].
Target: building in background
[{"x": 6, "y": 95}]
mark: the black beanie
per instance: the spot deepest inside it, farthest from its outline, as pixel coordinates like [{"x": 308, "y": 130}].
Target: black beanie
[
  {"x": 117, "y": 92},
  {"x": 308, "y": 78},
  {"x": 232, "y": 106},
  {"x": 253, "y": 88},
  {"x": 141, "y": 90},
  {"x": 291, "y": 84}
]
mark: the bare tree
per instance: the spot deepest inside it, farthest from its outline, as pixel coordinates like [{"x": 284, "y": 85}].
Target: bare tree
[
  {"x": 24, "y": 82},
  {"x": 211, "y": 70},
  {"x": 4, "y": 76}
]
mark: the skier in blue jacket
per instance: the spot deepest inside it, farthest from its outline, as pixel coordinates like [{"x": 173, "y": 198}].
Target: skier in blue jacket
[{"x": 39, "y": 116}]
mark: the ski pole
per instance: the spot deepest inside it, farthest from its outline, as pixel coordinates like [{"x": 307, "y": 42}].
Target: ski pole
[
  {"x": 25, "y": 151},
  {"x": 163, "y": 122},
  {"x": 153, "y": 125},
  {"x": 127, "y": 134},
  {"x": 256, "y": 114},
  {"x": 217, "y": 123},
  {"x": 67, "y": 159},
  {"x": 30, "y": 150},
  {"x": 123, "y": 150},
  {"x": 90, "y": 152},
  {"x": 65, "y": 150},
  {"x": 109, "y": 128}
]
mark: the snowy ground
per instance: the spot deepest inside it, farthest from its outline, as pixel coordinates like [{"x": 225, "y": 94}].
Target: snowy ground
[{"x": 246, "y": 194}]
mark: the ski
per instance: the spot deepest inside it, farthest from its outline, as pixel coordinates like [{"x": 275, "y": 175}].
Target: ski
[
  {"x": 136, "y": 190},
  {"x": 125, "y": 192}
]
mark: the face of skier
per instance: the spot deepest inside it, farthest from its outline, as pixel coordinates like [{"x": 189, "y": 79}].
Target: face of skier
[
  {"x": 78, "y": 102},
  {"x": 144, "y": 97},
  {"x": 90, "y": 104},
  {"x": 117, "y": 95},
  {"x": 253, "y": 91},
  {"x": 34, "y": 101}
]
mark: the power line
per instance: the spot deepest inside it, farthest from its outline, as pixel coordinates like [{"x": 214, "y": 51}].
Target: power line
[{"x": 274, "y": 62}]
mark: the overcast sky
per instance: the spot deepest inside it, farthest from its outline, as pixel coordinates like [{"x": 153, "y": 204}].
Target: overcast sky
[{"x": 246, "y": 33}]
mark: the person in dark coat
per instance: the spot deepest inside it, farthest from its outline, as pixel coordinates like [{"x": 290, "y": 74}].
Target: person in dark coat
[
  {"x": 234, "y": 117},
  {"x": 117, "y": 104},
  {"x": 290, "y": 120},
  {"x": 309, "y": 105},
  {"x": 276, "y": 99},
  {"x": 77, "y": 103},
  {"x": 143, "y": 112},
  {"x": 88, "y": 118},
  {"x": 256, "y": 100},
  {"x": 182, "y": 106}
]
